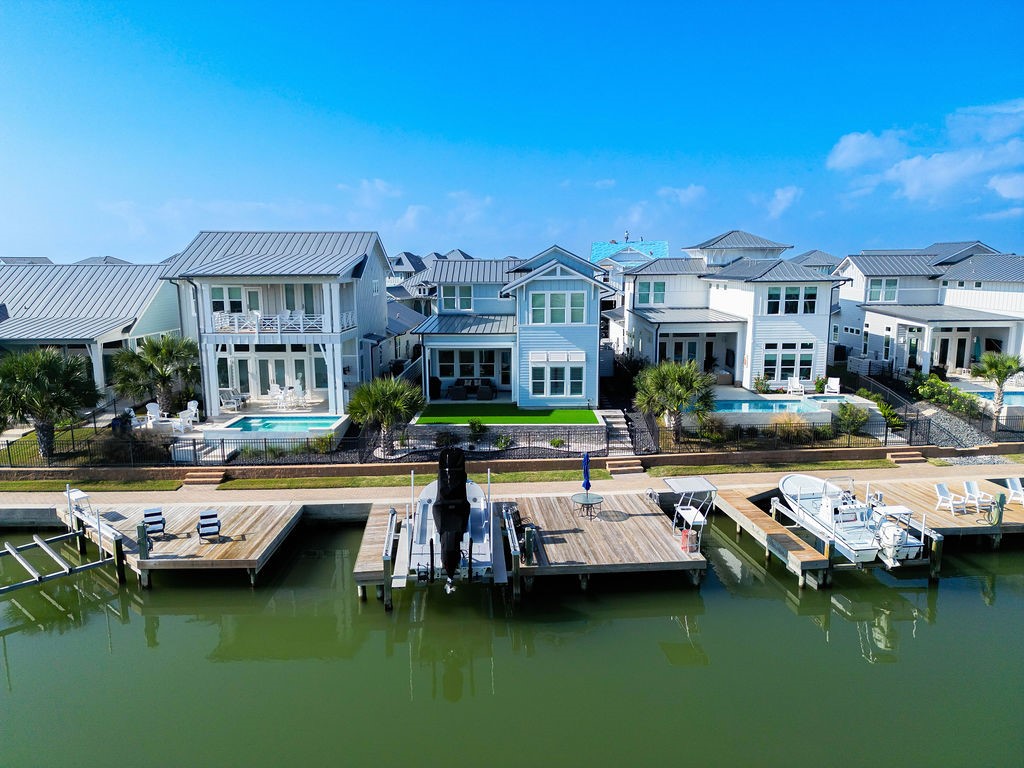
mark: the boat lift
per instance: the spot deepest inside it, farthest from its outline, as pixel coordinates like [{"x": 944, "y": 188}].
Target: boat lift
[{"x": 693, "y": 509}]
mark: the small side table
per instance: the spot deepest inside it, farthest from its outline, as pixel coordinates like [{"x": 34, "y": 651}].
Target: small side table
[{"x": 587, "y": 504}]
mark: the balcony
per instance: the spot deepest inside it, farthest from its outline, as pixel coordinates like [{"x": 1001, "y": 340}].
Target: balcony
[{"x": 287, "y": 322}]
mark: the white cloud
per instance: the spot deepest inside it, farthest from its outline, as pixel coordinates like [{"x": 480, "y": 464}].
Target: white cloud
[
  {"x": 468, "y": 208},
  {"x": 410, "y": 218},
  {"x": 604, "y": 183},
  {"x": 928, "y": 177},
  {"x": 782, "y": 199},
  {"x": 1010, "y": 186},
  {"x": 683, "y": 196},
  {"x": 989, "y": 123},
  {"x": 1010, "y": 213},
  {"x": 856, "y": 149}
]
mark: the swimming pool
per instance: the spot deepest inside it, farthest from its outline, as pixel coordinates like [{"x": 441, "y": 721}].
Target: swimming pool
[
  {"x": 282, "y": 423},
  {"x": 1009, "y": 398},
  {"x": 766, "y": 406}
]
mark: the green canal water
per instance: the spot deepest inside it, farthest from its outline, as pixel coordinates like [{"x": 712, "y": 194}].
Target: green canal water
[{"x": 641, "y": 671}]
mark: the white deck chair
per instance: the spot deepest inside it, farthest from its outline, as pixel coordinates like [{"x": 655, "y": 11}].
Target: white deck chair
[
  {"x": 193, "y": 409},
  {"x": 974, "y": 495},
  {"x": 153, "y": 413},
  {"x": 794, "y": 387},
  {"x": 954, "y": 502},
  {"x": 1013, "y": 485},
  {"x": 832, "y": 386},
  {"x": 228, "y": 404},
  {"x": 183, "y": 423}
]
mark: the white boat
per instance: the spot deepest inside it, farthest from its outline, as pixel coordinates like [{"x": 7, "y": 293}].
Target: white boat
[
  {"x": 862, "y": 530},
  {"x": 450, "y": 533}
]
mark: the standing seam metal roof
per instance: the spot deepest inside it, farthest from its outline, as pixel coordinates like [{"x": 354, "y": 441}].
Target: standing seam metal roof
[
  {"x": 768, "y": 271},
  {"x": 737, "y": 238},
  {"x": 472, "y": 271},
  {"x": 232, "y": 254},
  {"x": 467, "y": 324},
  {"x": 895, "y": 266},
  {"x": 671, "y": 266},
  {"x": 1003, "y": 267}
]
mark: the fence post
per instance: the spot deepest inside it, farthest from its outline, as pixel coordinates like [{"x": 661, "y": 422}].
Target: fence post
[{"x": 886, "y": 441}]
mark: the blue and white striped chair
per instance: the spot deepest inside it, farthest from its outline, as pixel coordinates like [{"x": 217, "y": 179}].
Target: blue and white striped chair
[{"x": 209, "y": 524}]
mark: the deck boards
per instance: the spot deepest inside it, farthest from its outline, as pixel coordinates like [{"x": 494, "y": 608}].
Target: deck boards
[
  {"x": 799, "y": 555},
  {"x": 919, "y": 496},
  {"x": 369, "y": 565},
  {"x": 250, "y": 534},
  {"x": 630, "y": 533}
]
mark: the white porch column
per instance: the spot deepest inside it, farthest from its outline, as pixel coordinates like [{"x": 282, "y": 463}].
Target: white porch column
[
  {"x": 96, "y": 358},
  {"x": 334, "y": 382},
  {"x": 925, "y": 352},
  {"x": 208, "y": 355}
]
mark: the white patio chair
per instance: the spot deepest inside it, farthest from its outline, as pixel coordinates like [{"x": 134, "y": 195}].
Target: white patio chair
[
  {"x": 298, "y": 398},
  {"x": 153, "y": 413},
  {"x": 183, "y": 423},
  {"x": 228, "y": 404},
  {"x": 193, "y": 409},
  {"x": 954, "y": 502},
  {"x": 974, "y": 495},
  {"x": 794, "y": 387},
  {"x": 832, "y": 386},
  {"x": 1013, "y": 485}
]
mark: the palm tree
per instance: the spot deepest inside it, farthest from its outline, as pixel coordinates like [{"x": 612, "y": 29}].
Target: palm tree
[
  {"x": 156, "y": 368},
  {"x": 997, "y": 368},
  {"x": 671, "y": 389},
  {"x": 43, "y": 387},
  {"x": 386, "y": 401}
]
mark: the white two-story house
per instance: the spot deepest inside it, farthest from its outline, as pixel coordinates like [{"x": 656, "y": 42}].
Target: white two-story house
[{"x": 299, "y": 309}]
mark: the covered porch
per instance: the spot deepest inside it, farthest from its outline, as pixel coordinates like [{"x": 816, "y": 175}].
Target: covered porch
[
  {"x": 937, "y": 337},
  {"x": 468, "y": 358}
]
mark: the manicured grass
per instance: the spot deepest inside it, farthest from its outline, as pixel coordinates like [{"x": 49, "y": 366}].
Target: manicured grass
[
  {"x": 1016, "y": 458},
  {"x": 398, "y": 481},
  {"x": 794, "y": 466},
  {"x": 90, "y": 485},
  {"x": 503, "y": 413}
]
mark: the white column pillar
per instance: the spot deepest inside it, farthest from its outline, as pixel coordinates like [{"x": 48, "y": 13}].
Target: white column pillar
[
  {"x": 924, "y": 355},
  {"x": 208, "y": 356},
  {"x": 334, "y": 383},
  {"x": 96, "y": 358}
]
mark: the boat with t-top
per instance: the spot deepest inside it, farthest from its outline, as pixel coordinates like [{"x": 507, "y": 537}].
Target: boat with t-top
[{"x": 862, "y": 530}]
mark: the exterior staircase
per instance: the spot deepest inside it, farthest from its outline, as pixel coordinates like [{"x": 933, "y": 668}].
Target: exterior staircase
[
  {"x": 204, "y": 476},
  {"x": 619, "y": 443},
  {"x": 905, "y": 456},
  {"x": 625, "y": 467}
]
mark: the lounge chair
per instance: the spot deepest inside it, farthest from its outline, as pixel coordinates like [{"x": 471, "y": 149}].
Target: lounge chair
[
  {"x": 795, "y": 387},
  {"x": 193, "y": 409},
  {"x": 154, "y": 521},
  {"x": 484, "y": 392},
  {"x": 954, "y": 502},
  {"x": 209, "y": 524},
  {"x": 457, "y": 392},
  {"x": 974, "y": 495},
  {"x": 153, "y": 413},
  {"x": 1013, "y": 485},
  {"x": 832, "y": 386},
  {"x": 228, "y": 404}
]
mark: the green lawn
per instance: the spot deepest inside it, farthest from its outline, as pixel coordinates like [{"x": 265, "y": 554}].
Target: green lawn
[
  {"x": 503, "y": 413},
  {"x": 91, "y": 485}
]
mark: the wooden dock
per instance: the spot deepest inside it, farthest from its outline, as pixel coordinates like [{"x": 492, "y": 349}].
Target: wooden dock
[
  {"x": 250, "y": 534},
  {"x": 799, "y": 557}
]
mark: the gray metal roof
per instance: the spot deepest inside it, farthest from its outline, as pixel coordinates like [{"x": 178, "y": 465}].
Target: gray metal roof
[
  {"x": 244, "y": 254},
  {"x": 402, "y": 319},
  {"x": 399, "y": 292},
  {"x": 471, "y": 271},
  {"x": 937, "y": 313},
  {"x": 406, "y": 262},
  {"x": 618, "y": 314},
  {"x": 895, "y": 266},
  {"x": 24, "y": 260},
  {"x": 467, "y": 324},
  {"x": 102, "y": 260},
  {"x": 736, "y": 238},
  {"x": 670, "y": 267},
  {"x": 699, "y": 315},
  {"x": 74, "y": 301},
  {"x": 958, "y": 251},
  {"x": 768, "y": 271},
  {"x": 1002, "y": 267},
  {"x": 815, "y": 258}
]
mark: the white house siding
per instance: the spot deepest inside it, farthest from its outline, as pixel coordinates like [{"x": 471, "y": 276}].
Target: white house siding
[
  {"x": 161, "y": 315},
  {"x": 372, "y": 305},
  {"x": 1003, "y": 298},
  {"x": 781, "y": 329}
]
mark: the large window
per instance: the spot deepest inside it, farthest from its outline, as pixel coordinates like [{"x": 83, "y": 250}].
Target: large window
[
  {"x": 226, "y": 299},
  {"x": 882, "y": 289},
  {"x": 787, "y": 300},
  {"x": 457, "y": 297},
  {"x": 446, "y": 363},
  {"x": 774, "y": 297},
  {"x": 787, "y": 359},
  {"x": 792, "y": 300},
  {"x": 810, "y": 299},
  {"x": 650, "y": 293},
  {"x": 558, "y": 308},
  {"x": 556, "y": 380}
]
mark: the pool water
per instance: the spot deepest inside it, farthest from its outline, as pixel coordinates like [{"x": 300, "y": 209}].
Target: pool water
[
  {"x": 1009, "y": 398},
  {"x": 282, "y": 423},
  {"x": 766, "y": 406}
]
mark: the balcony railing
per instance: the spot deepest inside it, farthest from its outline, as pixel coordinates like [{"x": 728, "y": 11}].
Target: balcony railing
[{"x": 287, "y": 322}]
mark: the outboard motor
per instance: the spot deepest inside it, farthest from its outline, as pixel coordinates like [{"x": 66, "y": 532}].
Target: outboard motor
[{"x": 451, "y": 510}]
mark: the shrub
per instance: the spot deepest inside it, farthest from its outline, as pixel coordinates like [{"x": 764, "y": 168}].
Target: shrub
[
  {"x": 557, "y": 442},
  {"x": 851, "y": 419},
  {"x": 477, "y": 429},
  {"x": 762, "y": 385},
  {"x": 445, "y": 438},
  {"x": 892, "y": 419},
  {"x": 819, "y": 385},
  {"x": 322, "y": 444},
  {"x": 792, "y": 427},
  {"x": 503, "y": 441},
  {"x": 712, "y": 428},
  {"x": 823, "y": 432}
]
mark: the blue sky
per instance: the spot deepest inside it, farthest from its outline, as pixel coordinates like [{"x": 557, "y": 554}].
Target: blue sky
[{"x": 501, "y": 128}]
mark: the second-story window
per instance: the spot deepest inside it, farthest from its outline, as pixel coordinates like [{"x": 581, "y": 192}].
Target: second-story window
[
  {"x": 810, "y": 299},
  {"x": 558, "y": 308},
  {"x": 792, "y": 299},
  {"x": 650, "y": 293},
  {"x": 774, "y": 300},
  {"x": 882, "y": 289},
  {"x": 457, "y": 297},
  {"x": 226, "y": 299}
]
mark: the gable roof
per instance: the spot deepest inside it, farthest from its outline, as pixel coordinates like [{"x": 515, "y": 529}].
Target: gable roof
[
  {"x": 243, "y": 254},
  {"x": 632, "y": 250},
  {"x": 956, "y": 251},
  {"x": 469, "y": 271},
  {"x": 402, "y": 319},
  {"x": 407, "y": 262},
  {"x": 24, "y": 260},
  {"x": 547, "y": 256},
  {"x": 878, "y": 265},
  {"x": 1002, "y": 267},
  {"x": 74, "y": 301},
  {"x": 670, "y": 266},
  {"x": 736, "y": 238},
  {"x": 102, "y": 260},
  {"x": 768, "y": 271},
  {"x": 816, "y": 258}
]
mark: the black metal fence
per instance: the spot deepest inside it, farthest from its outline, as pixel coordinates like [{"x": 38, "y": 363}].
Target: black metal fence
[{"x": 648, "y": 436}]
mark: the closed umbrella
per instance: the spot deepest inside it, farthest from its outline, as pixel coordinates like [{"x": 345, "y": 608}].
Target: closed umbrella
[{"x": 586, "y": 472}]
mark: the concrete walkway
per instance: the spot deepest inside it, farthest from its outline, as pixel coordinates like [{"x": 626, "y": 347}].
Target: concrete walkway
[{"x": 400, "y": 493}]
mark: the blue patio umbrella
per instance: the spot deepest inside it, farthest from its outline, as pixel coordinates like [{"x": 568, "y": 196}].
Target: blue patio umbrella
[{"x": 586, "y": 472}]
